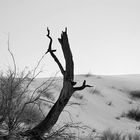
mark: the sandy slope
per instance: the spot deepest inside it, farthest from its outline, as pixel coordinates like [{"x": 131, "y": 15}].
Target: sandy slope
[{"x": 101, "y": 107}]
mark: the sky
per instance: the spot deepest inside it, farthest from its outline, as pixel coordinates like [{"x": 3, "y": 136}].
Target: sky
[{"x": 104, "y": 35}]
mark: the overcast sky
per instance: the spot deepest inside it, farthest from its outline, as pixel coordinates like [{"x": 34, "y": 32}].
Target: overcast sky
[{"x": 104, "y": 34}]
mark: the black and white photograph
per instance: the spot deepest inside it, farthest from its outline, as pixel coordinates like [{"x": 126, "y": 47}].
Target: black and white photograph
[{"x": 69, "y": 70}]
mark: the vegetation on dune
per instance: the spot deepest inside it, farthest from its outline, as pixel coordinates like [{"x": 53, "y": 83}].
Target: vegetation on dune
[
  {"x": 20, "y": 107},
  {"x": 109, "y": 135},
  {"x": 134, "y": 94},
  {"x": 133, "y": 114}
]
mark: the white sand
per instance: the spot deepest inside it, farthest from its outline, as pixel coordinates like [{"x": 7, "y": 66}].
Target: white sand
[{"x": 104, "y": 103}]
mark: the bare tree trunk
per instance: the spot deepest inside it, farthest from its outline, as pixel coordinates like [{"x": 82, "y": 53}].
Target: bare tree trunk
[{"x": 66, "y": 92}]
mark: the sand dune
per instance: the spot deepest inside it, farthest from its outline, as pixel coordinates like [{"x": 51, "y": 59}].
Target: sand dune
[{"x": 101, "y": 107}]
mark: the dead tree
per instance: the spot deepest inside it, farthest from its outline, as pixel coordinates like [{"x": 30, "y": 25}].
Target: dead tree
[{"x": 67, "y": 90}]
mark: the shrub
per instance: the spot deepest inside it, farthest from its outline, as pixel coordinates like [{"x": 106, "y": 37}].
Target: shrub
[
  {"x": 133, "y": 114},
  {"x": 109, "y": 135},
  {"x": 31, "y": 115},
  {"x": 20, "y": 107},
  {"x": 135, "y": 94}
]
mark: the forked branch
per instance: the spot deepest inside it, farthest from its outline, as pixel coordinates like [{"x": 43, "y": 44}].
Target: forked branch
[
  {"x": 81, "y": 87},
  {"x": 52, "y": 53}
]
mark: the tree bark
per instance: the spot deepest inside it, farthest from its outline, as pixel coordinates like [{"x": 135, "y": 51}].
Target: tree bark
[{"x": 67, "y": 90}]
